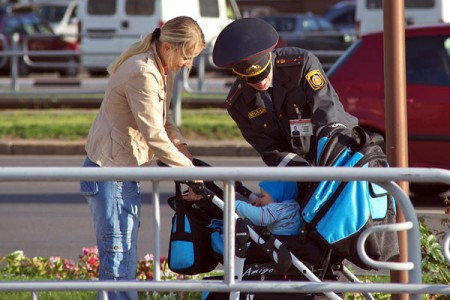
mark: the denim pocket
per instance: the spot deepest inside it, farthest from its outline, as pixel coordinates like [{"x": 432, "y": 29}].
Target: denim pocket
[
  {"x": 130, "y": 190},
  {"x": 116, "y": 258},
  {"x": 89, "y": 188}
]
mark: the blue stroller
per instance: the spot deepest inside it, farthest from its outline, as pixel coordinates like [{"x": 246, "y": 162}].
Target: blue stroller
[{"x": 328, "y": 235}]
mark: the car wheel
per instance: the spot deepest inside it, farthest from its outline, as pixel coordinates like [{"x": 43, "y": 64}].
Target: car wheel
[{"x": 71, "y": 70}]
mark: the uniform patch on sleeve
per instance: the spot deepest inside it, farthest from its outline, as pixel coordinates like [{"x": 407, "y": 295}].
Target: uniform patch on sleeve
[
  {"x": 315, "y": 79},
  {"x": 257, "y": 112}
]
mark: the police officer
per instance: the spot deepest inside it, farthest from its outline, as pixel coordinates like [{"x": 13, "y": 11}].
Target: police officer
[{"x": 281, "y": 97}]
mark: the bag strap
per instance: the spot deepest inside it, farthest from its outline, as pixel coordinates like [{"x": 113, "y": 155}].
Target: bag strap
[{"x": 179, "y": 208}]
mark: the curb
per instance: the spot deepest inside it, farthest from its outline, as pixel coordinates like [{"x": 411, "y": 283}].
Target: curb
[{"x": 197, "y": 148}]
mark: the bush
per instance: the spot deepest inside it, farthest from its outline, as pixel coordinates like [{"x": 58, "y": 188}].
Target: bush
[{"x": 17, "y": 266}]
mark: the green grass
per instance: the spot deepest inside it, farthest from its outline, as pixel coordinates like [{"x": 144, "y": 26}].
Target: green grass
[
  {"x": 80, "y": 295},
  {"x": 71, "y": 124},
  {"x": 51, "y": 295}
]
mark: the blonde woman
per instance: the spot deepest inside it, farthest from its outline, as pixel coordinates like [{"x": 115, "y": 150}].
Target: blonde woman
[{"x": 131, "y": 129}]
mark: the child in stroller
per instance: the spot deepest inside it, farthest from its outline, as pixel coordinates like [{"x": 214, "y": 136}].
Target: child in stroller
[
  {"x": 274, "y": 212},
  {"x": 276, "y": 207}
]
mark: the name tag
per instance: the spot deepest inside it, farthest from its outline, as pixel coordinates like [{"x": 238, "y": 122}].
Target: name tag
[
  {"x": 257, "y": 112},
  {"x": 301, "y": 127}
]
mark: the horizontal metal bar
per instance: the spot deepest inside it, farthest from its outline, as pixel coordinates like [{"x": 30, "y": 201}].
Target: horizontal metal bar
[
  {"x": 61, "y": 93},
  {"x": 55, "y": 53},
  {"x": 220, "y": 286},
  {"x": 224, "y": 173}
]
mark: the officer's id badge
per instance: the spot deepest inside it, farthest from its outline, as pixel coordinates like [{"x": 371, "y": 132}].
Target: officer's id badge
[
  {"x": 257, "y": 112},
  {"x": 301, "y": 127},
  {"x": 315, "y": 79}
]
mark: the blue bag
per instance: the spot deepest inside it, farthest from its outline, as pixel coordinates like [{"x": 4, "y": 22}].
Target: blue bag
[
  {"x": 335, "y": 213},
  {"x": 190, "y": 238}
]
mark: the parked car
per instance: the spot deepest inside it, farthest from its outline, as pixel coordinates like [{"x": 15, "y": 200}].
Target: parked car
[
  {"x": 358, "y": 77},
  {"x": 61, "y": 16},
  {"x": 34, "y": 35},
  {"x": 308, "y": 31},
  {"x": 342, "y": 15},
  {"x": 311, "y": 32}
]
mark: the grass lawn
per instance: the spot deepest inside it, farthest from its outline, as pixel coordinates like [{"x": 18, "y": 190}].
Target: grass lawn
[{"x": 72, "y": 124}]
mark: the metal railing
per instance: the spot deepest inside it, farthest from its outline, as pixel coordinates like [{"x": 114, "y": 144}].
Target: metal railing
[
  {"x": 16, "y": 52},
  {"x": 383, "y": 177}
]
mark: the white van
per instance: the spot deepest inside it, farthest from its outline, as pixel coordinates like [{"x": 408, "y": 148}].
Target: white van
[
  {"x": 369, "y": 13},
  {"x": 113, "y": 25}
]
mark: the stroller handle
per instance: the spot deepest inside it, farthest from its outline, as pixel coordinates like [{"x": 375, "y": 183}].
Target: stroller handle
[
  {"x": 200, "y": 189},
  {"x": 240, "y": 188}
]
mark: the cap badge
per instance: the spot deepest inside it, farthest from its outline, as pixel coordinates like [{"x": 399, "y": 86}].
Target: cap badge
[
  {"x": 253, "y": 70},
  {"x": 315, "y": 79}
]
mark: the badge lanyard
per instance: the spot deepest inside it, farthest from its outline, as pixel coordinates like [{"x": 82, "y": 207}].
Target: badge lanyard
[{"x": 300, "y": 127}]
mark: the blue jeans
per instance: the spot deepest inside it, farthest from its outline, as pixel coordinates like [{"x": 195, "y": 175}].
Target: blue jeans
[{"x": 115, "y": 208}]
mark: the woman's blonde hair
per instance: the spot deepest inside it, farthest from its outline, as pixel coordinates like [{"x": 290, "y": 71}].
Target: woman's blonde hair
[{"x": 183, "y": 33}]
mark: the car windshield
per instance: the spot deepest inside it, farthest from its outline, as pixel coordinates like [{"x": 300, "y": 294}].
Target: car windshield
[
  {"x": 300, "y": 24},
  {"x": 27, "y": 24},
  {"x": 325, "y": 25},
  {"x": 52, "y": 13},
  {"x": 33, "y": 25},
  {"x": 281, "y": 24},
  {"x": 12, "y": 25}
]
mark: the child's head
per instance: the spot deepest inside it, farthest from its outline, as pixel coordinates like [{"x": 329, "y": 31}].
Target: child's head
[{"x": 279, "y": 191}]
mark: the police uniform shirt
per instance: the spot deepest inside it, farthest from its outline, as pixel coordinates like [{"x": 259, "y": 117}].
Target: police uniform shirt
[{"x": 301, "y": 90}]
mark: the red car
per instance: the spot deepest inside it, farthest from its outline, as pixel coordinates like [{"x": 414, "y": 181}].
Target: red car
[
  {"x": 34, "y": 35},
  {"x": 358, "y": 77}
]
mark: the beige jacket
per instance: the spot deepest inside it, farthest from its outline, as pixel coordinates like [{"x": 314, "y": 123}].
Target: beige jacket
[{"x": 133, "y": 125}]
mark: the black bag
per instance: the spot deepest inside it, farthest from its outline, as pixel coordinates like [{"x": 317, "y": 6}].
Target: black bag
[
  {"x": 335, "y": 213},
  {"x": 190, "y": 250}
]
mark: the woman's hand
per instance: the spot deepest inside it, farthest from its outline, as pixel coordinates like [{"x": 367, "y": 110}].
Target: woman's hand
[{"x": 191, "y": 196}]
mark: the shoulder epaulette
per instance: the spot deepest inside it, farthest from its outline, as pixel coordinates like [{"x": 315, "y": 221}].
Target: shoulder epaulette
[
  {"x": 233, "y": 95},
  {"x": 289, "y": 60}
]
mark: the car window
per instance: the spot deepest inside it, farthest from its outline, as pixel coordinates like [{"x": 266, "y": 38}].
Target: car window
[
  {"x": 347, "y": 18},
  {"x": 310, "y": 24},
  {"x": 428, "y": 60},
  {"x": 52, "y": 13},
  {"x": 33, "y": 25},
  {"x": 325, "y": 25},
  {"x": 286, "y": 24},
  {"x": 281, "y": 24},
  {"x": 209, "y": 8},
  {"x": 139, "y": 7},
  {"x": 12, "y": 25},
  {"x": 74, "y": 13},
  {"x": 95, "y": 7}
]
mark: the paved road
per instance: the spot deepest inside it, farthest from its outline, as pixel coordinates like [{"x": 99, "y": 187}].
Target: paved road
[{"x": 52, "y": 219}]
